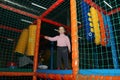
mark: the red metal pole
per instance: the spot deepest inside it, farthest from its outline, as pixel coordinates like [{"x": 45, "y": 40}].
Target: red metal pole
[
  {"x": 57, "y": 3},
  {"x": 18, "y": 11},
  {"x": 36, "y": 48},
  {"x": 56, "y": 23},
  {"x": 10, "y": 28},
  {"x": 113, "y": 11}
]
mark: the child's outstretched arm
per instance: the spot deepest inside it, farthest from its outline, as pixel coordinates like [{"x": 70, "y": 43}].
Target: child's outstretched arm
[{"x": 51, "y": 38}]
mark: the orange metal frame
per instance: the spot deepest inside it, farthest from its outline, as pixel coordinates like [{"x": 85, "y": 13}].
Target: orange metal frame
[{"x": 74, "y": 36}]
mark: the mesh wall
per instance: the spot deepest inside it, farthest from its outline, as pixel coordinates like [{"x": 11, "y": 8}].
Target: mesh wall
[
  {"x": 98, "y": 56},
  {"x": 14, "y": 33},
  {"x": 11, "y": 27}
]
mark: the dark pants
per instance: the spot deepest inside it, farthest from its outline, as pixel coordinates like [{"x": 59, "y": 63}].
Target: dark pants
[{"x": 62, "y": 53}]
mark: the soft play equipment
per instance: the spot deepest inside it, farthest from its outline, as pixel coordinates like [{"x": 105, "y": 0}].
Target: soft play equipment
[
  {"x": 85, "y": 10},
  {"x": 22, "y": 42},
  {"x": 113, "y": 45},
  {"x": 24, "y": 61},
  {"x": 31, "y": 40},
  {"x": 107, "y": 30},
  {"x": 102, "y": 29},
  {"x": 90, "y": 24},
  {"x": 95, "y": 24}
]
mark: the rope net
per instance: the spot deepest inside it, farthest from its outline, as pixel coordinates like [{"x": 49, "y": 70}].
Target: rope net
[
  {"x": 99, "y": 40},
  {"x": 18, "y": 33},
  {"x": 17, "y": 36}
]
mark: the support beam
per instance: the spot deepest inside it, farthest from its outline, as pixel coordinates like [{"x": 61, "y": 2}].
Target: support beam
[
  {"x": 57, "y": 3},
  {"x": 56, "y": 24},
  {"x": 113, "y": 11},
  {"x": 10, "y": 28},
  {"x": 18, "y": 11},
  {"x": 36, "y": 52},
  {"x": 74, "y": 37}
]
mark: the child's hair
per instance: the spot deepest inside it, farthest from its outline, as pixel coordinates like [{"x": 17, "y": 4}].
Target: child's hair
[{"x": 62, "y": 27}]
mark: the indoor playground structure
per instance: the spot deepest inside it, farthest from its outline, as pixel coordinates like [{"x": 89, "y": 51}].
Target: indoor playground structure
[{"x": 93, "y": 27}]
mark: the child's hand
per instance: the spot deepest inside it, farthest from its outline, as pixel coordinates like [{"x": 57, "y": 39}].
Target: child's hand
[
  {"x": 46, "y": 37},
  {"x": 69, "y": 51}
]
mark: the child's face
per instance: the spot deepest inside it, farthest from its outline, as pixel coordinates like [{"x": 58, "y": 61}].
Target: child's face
[{"x": 61, "y": 30}]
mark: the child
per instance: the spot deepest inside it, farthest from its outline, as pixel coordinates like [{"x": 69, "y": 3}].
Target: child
[{"x": 63, "y": 47}]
